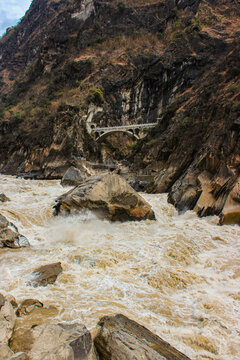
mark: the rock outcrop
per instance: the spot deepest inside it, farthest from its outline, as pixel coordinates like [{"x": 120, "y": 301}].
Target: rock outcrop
[
  {"x": 9, "y": 235},
  {"x": 58, "y": 342},
  {"x": 45, "y": 275},
  {"x": 123, "y": 339},
  {"x": 109, "y": 196}
]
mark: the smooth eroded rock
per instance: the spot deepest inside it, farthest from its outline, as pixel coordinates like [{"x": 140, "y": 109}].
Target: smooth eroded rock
[
  {"x": 109, "y": 196},
  {"x": 46, "y": 274},
  {"x": 58, "y": 342},
  {"x": 123, "y": 339}
]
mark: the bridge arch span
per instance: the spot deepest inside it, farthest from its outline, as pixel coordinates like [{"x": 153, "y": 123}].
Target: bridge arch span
[{"x": 101, "y": 137}]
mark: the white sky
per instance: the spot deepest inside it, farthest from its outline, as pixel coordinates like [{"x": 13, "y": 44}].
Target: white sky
[{"x": 11, "y": 11}]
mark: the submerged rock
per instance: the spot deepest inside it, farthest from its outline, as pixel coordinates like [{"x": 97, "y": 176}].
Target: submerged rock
[
  {"x": 7, "y": 319},
  {"x": 27, "y": 306},
  {"x": 58, "y": 341},
  {"x": 46, "y": 274},
  {"x": 110, "y": 196},
  {"x": 74, "y": 176},
  {"x": 9, "y": 235},
  {"x": 3, "y": 198},
  {"x": 121, "y": 338}
]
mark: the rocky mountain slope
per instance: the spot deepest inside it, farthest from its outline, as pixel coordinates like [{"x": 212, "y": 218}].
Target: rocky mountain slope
[{"x": 173, "y": 60}]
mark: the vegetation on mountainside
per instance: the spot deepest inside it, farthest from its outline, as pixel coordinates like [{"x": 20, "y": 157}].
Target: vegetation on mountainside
[
  {"x": 95, "y": 96},
  {"x": 133, "y": 57}
]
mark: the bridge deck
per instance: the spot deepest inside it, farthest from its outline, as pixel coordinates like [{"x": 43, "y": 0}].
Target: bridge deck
[{"x": 124, "y": 127}]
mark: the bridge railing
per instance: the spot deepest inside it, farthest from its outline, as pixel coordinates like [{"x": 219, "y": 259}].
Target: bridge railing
[{"x": 124, "y": 127}]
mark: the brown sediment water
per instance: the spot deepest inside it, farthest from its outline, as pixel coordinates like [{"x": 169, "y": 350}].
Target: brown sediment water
[{"x": 178, "y": 276}]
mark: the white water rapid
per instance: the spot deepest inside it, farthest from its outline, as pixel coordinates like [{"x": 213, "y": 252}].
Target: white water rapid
[{"x": 178, "y": 276}]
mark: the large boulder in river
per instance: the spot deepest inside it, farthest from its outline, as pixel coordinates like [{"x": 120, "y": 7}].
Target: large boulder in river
[
  {"x": 7, "y": 319},
  {"x": 123, "y": 339},
  {"x": 58, "y": 342},
  {"x": 46, "y": 274},
  {"x": 110, "y": 196},
  {"x": 74, "y": 176},
  {"x": 9, "y": 235}
]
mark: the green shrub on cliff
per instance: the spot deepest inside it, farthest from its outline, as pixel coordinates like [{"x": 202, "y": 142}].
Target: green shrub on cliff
[{"x": 95, "y": 96}]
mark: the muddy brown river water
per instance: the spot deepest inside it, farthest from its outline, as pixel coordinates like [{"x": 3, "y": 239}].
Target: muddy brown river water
[{"x": 178, "y": 276}]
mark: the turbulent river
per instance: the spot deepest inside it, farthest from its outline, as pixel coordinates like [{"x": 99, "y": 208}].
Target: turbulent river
[{"x": 178, "y": 276}]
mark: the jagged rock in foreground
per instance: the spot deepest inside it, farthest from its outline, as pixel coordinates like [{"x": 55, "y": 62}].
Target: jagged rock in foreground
[
  {"x": 9, "y": 235},
  {"x": 58, "y": 341},
  {"x": 110, "y": 196},
  {"x": 123, "y": 339},
  {"x": 46, "y": 274},
  {"x": 7, "y": 319},
  {"x": 74, "y": 176}
]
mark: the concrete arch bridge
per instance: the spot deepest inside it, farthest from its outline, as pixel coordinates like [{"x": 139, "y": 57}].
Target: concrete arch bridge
[{"x": 138, "y": 131}]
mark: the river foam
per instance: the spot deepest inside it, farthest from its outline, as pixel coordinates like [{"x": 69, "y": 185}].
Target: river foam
[{"x": 178, "y": 276}]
